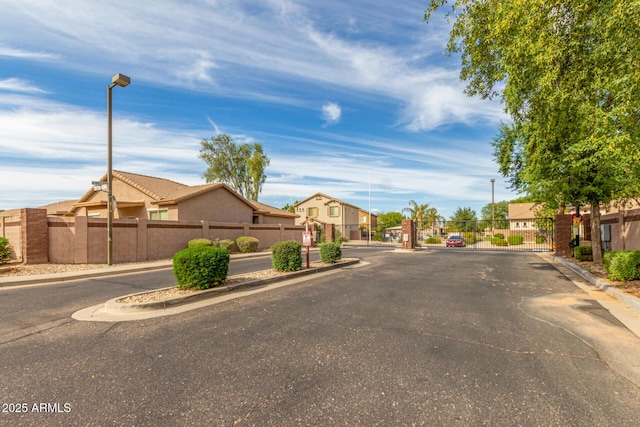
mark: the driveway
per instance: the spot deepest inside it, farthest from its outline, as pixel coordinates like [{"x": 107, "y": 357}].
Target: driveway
[{"x": 423, "y": 338}]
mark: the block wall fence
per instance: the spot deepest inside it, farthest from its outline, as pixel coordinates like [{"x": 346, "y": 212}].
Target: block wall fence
[{"x": 36, "y": 238}]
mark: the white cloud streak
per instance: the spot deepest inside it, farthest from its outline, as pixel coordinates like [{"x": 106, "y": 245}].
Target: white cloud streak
[
  {"x": 18, "y": 85},
  {"x": 219, "y": 46}
]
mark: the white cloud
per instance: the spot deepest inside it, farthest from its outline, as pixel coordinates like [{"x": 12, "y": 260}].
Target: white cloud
[
  {"x": 244, "y": 51},
  {"x": 276, "y": 52},
  {"x": 331, "y": 113},
  {"x": 23, "y": 54},
  {"x": 19, "y": 85}
]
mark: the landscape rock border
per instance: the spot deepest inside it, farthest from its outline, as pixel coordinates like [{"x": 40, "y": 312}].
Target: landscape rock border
[{"x": 116, "y": 306}]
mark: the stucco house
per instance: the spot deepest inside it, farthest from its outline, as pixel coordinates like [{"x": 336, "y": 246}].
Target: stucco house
[
  {"x": 141, "y": 196},
  {"x": 521, "y": 216},
  {"x": 324, "y": 209}
]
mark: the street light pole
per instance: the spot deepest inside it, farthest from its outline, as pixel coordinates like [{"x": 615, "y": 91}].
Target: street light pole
[
  {"x": 493, "y": 205},
  {"x": 369, "y": 225},
  {"x": 117, "y": 80}
]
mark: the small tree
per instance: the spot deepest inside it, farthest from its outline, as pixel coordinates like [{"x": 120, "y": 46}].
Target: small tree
[
  {"x": 241, "y": 166},
  {"x": 5, "y": 250}
]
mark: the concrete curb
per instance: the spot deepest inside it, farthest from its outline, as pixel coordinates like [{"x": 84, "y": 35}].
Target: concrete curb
[
  {"x": 630, "y": 300},
  {"x": 114, "y": 307}
]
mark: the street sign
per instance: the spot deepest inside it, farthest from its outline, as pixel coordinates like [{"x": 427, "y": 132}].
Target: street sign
[{"x": 306, "y": 238}]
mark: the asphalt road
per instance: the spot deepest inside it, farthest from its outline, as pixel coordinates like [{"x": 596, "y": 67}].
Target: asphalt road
[
  {"x": 27, "y": 309},
  {"x": 425, "y": 338}
]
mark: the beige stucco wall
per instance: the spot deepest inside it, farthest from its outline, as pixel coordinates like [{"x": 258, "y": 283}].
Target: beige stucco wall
[
  {"x": 82, "y": 240},
  {"x": 11, "y": 229},
  {"x": 276, "y": 220},
  {"x": 216, "y": 205},
  {"x": 625, "y": 229},
  {"x": 347, "y": 214}
]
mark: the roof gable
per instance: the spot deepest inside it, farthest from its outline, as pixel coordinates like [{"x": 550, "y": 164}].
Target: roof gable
[
  {"x": 271, "y": 211},
  {"x": 187, "y": 193},
  {"x": 522, "y": 210},
  {"x": 325, "y": 196}
]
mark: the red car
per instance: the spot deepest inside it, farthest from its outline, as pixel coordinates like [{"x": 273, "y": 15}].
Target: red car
[{"x": 455, "y": 241}]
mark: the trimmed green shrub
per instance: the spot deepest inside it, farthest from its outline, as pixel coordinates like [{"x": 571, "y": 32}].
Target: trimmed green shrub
[
  {"x": 377, "y": 236},
  {"x": 583, "y": 253},
  {"x": 622, "y": 265},
  {"x": 497, "y": 241},
  {"x": 433, "y": 240},
  {"x": 469, "y": 237},
  {"x": 498, "y": 236},
  {"x": 539, "y": 240},
  {"x": 199, "y": 242},
  {"x": 247, "y": 244},
  {"x": 330, "y": 253},
  {"x": 200, "y": 267},
  {"x": 225, "y": 244},
  {"x": 286, "y": 256},
  {"x": 515, "y": 239},
  {"x": 5, "y": 250}
]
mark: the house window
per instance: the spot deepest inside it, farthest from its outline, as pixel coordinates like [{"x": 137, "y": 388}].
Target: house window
[
  {"x": 159, "y": 214},
  {"x": 312, "y": 212},
  {"x": 334, "y": 210},
  {"x": 93, "y": 214},
  {"x": 363, "y": 218}
]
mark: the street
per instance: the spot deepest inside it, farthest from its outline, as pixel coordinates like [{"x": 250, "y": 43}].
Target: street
[{"x": 422, "y": 338}]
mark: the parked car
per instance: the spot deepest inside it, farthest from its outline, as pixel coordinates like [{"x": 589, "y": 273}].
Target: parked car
[{"x": 455, "y": 241}]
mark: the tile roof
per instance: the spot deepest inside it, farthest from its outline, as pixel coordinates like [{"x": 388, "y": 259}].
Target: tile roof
[
  {"x": 271, "y": 211},
  {"x": 165, "y": 191},
  {"x": 522, "y": 210},
  {"x": 59, "y": 207},
  {"x": 156, "y": 188}
]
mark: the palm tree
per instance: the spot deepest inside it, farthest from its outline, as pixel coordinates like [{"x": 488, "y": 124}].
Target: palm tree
[{"x": 417, "y": 212}]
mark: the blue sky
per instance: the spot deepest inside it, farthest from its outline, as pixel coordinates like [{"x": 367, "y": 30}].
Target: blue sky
[{"x": 349, "y": 99}]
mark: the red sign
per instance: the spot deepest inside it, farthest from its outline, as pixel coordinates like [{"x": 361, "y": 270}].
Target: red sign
[{"x": 306, "y": 238}]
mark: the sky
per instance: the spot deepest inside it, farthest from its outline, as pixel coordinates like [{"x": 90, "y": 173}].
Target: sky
[{"x": 354, "y": 99}]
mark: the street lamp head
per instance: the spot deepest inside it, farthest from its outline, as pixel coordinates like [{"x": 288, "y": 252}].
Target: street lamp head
[
  {"x": 120, "y": 80},
  {"x": 493, "y": 180}
]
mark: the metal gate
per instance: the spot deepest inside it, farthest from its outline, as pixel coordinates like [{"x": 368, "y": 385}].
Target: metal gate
[{"x": 524, "y": 235}]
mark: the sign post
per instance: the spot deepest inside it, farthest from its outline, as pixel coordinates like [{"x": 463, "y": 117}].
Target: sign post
[{"x": 306, "y": 242}]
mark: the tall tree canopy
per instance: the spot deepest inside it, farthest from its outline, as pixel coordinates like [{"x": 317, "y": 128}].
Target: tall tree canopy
[
  {"x": 499, "y": 211},
  {"x": 463, "y": 219},
  {"x": 389, "y": 219},
  {"x": 567, "y": 73},
  {"x": 241, "y": 166}
]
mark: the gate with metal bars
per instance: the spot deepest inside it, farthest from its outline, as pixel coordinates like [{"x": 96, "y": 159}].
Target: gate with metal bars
[{"x": 524, "y": 235}]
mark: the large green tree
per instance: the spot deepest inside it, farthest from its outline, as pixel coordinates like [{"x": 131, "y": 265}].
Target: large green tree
[
  {"x": 241, "y": 166},
  {"x": 499, "y": 211},
  {"x": 567, "y": 73},
  {"x": 389, "y": 219},
  {"x": 463, "y": 219}
]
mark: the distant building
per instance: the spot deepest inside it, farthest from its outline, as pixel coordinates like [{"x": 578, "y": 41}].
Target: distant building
[
  {"x": 141, "y": 196},
  {"x": 350, "y": 220},
  {"x": 521, "y": 216}
]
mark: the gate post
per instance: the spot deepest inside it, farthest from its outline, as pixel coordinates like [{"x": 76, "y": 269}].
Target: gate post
[
  {"x": 409, "y": 233},
  {"x": 562, "y": 231}
]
